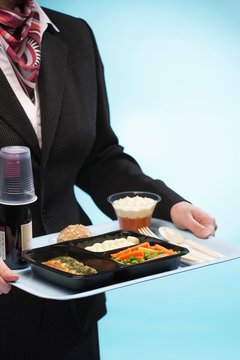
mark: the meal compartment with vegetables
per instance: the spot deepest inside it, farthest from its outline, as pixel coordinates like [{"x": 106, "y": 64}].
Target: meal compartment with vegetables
[
  {"x": 71, "y": 267},
  {"x": 141, "y": 253},
  {"x": 150, "y": 256}
]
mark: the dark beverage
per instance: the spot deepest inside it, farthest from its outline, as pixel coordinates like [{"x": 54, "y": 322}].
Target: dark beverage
[{"x": 15, "y": 234}]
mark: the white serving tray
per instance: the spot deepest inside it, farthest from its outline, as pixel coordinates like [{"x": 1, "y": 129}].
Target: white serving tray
[{"x": 35, "y": 285}]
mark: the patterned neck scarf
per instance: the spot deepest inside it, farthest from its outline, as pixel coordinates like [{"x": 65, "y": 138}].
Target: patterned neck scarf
[{"x": 20, "y": 38}]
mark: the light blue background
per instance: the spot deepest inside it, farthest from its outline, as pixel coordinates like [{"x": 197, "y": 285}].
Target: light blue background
[{"x": 173, "y": 80}]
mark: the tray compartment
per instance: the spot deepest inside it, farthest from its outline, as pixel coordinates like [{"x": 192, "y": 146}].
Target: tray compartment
[
  {"x": 152, "y": 266},
  {"x": 105, "y": 267},
  {"x": 85, "y": 242}
]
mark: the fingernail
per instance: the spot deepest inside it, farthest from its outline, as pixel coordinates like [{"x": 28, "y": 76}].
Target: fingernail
[{"x": 206, "y": 233}]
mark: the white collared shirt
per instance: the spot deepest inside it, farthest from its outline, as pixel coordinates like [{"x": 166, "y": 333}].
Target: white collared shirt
[{"x": 31, "y": 109}]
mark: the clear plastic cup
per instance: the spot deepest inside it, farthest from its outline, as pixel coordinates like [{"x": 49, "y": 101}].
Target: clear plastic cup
[
  {"x": 16, "y": 177},
  {"x": 134, "y": 209}
]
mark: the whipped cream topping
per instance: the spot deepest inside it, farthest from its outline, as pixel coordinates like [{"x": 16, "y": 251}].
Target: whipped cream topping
[{"x": 134, "y": 207}]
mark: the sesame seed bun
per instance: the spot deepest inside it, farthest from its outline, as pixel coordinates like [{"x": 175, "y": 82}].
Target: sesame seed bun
[{"x": 72, "y": 232}]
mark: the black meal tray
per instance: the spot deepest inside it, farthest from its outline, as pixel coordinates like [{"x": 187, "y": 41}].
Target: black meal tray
[
  {"x": 109, "y": 271},
  {"x": 105, "y": 267}
]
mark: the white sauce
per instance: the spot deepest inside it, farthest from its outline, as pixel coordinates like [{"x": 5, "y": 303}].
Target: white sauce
[{"x": 113, "y": 244}]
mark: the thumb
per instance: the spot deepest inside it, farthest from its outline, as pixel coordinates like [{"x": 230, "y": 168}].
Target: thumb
[
  {"x": 6, "y": 273},
  {"x": 199, "y": 230}
]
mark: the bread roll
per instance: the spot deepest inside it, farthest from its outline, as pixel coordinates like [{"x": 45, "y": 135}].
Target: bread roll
[{"x": 72, "y": 232}]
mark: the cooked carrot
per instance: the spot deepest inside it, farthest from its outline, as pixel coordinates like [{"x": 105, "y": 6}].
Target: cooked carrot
[
  {"x": 126, "y": 251},
  {"x": 162, "y": 248},
  {"x": 158, "y": 257},
  {"x": 133, "y": 248},
  {"x": 146, "y": 245},
  {"x": 136, "y": 253},
  {"x": 150, "y": 250},
  {"x": 124, "y": 256}
]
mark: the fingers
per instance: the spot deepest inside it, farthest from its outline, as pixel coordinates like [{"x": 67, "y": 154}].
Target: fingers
[
  {"x": 6, "y": 275},
  {"x": 187, "y": 216},
  {"x": 203, "y": 223},
  {"x": 202, "y": 227},
  {"x": 199, "y": 230},
  {"x": 5, "y": 287},
  {"x": 212, "y": 228}
]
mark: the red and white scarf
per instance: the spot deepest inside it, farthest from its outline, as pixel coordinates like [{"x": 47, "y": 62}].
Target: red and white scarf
[{"x": 20, "y": 38}]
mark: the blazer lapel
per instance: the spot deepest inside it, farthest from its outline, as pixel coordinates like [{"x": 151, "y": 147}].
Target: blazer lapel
[
  {"x": 14, "y": 115},
  {"x": 51, "y": 84}
]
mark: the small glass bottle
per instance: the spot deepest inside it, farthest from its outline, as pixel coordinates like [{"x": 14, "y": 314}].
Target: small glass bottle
[{"x": 15, "y": 234}]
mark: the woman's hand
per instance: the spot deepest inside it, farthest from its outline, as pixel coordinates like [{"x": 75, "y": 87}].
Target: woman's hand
[
  {"x": 189, "y": 217},
  {"x": 6, "y": 275}
]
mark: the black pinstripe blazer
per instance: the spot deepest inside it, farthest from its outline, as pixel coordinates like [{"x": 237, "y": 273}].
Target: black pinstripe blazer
[{"x": 78, "y": 147}]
